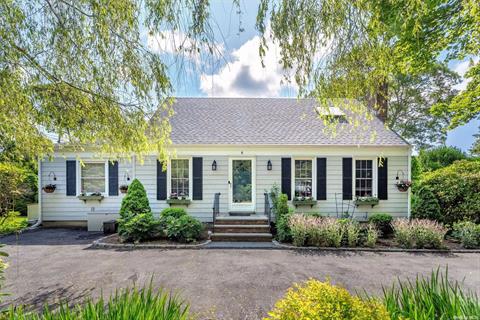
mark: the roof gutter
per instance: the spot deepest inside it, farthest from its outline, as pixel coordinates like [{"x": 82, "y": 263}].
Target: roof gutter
[{"x": 39, "y": 220}]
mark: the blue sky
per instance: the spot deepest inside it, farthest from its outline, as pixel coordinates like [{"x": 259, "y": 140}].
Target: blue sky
[{"x": 235, "y": 70}]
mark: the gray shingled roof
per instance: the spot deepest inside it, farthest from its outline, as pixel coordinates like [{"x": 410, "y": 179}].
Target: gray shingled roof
[{"x": 269, "y": 121}]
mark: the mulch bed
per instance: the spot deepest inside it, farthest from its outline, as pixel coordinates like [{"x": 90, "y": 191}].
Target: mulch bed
[{"x": 115, "y": 239}]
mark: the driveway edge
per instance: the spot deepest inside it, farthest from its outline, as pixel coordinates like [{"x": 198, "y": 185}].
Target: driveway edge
[{"x": 99, "y": 244}]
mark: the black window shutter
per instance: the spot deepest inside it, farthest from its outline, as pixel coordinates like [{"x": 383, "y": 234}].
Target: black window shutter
[
  {"x": 161, "y": 182},
  {"x": 197, "y": 178},
  {"x": 287, "y": 177},
  {"x": 383, "y": 179},
  {"x": 347, "y": 178},
  {"x": 113, "y": 178},
  {"x": 71, "y": 177},
  {"x": 321, "y": 178}
]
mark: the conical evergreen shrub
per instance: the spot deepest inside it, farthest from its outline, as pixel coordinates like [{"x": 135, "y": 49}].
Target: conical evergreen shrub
[{"x": 135, "y": 202}]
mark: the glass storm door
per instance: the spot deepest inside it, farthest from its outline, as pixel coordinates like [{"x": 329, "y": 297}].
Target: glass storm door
[{"x": 242, "y": 188}]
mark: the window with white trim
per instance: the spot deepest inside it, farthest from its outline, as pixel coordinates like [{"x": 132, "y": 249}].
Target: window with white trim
[
  {"x": 180, "y": 177},
  {"x": 93, "y": 177},
  {"x": 363, "y": 178},
  {"x": 303, "y": 178}
]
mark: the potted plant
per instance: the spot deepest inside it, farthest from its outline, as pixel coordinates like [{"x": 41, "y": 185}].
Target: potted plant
[
  {"x": 403, "y": 185},
  {"x": 123, "y": 188},
  {"x": 373, "y": 201},
  {"x": 49, "y": 188}
]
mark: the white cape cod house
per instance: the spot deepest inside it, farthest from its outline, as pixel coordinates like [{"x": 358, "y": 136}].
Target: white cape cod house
[{"x": 239, "y": 148}]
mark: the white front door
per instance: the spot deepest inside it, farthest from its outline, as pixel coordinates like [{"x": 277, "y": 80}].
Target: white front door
[{"x": 242, "y": 184}]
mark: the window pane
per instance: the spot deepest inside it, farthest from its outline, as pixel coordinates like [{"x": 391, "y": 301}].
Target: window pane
[
  {"x": 364, "y": 178},
  {"x": 93, "y": 177},
  {"x": 180, "y": 177},
  {"x": 93, "y": 170},
  {"x": 303, "y": 178}
]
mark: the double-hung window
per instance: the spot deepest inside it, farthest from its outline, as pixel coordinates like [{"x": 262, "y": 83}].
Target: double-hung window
[
  {"x": 180, "y": 177},
  {"x": 303, "y": 178},
  {"x": 364, "y": 178},
  {"x": 93, "y": 177}
]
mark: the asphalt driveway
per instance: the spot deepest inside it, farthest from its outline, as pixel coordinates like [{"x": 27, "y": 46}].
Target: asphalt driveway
[{"x": 51, "y": 264}]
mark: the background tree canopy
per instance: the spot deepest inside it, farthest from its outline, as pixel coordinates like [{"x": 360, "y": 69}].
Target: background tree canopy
[{"x": 82, "y": 69}]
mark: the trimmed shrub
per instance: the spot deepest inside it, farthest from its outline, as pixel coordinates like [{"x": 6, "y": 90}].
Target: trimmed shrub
[
  {"x": 468, "y": 233},
  {"x": 139, "y": 227},
  {"x": 457, "y": 190},
  {"x": 430, "y": 298},
  {"x": 184, "y": 229},
  {"x": 168, "y": 214},
  {"x": 125, "y": 304},
  {"x": 321, "y": 300},
  {"x": 419, "y": 233},
  {"x": 135, "y": 202},
  {"x": 425, "y": 205},
  {"x": 173, "y": 212},
  {"x": 283, "y": 215},
  {"x": 382, "y": 222}
]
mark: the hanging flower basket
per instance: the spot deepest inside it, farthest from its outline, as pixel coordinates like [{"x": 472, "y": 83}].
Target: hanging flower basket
[
  {"x": 403, "y": 185},
  {"x": 49, "y": 188},
  {"x": 123, "y": 188}
]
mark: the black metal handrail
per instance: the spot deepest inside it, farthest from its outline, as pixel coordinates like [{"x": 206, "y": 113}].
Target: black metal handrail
[
  {"x": 268, "y": 206},
  {"x": 216, "y": 208}
]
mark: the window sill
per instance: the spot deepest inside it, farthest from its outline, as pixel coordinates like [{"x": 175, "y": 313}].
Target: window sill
[
  {"x": 91, "y": 198},
  {"x": 310, "y": 203},
  {"x": 181, "y": 202}
]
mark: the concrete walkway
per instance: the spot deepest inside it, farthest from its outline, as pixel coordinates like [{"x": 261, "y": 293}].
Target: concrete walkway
[{"x": 51, "y": 264}]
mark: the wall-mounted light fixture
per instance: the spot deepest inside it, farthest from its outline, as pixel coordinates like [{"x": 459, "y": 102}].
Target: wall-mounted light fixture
[
  {"x": 214, "y": 165},
  {"x": 269, "y": 165}
]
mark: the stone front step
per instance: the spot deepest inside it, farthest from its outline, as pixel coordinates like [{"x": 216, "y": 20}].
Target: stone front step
[
  {"x": 227, "y": 220},
  {"x": 242, "y": 228},
  {"x": 243, "y": 237}
]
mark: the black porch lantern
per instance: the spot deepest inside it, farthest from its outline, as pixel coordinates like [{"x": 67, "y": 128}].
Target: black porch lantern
[
  {"x": 214, "y": 165},
  {"x": 269, "y": 165}
]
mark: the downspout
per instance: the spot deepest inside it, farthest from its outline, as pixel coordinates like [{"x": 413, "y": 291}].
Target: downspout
[
  {"x": 39, "y": 220},
  {"x": 409, "y": 179}
]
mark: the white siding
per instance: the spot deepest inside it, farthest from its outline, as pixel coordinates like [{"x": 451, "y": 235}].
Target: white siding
[{"x": 57, "y": 206}]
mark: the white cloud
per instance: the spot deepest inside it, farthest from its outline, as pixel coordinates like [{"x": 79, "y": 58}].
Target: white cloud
[
  {"x": 245, "y": 76},
  {"x": 177, "y": 43},
  {"x": 461, "y": 68}
]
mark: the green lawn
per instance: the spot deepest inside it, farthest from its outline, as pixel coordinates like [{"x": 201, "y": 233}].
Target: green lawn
[{"x": 12, "y": 224}]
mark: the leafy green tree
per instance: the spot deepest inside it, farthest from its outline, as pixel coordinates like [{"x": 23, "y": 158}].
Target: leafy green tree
[
  {"x": 12, "y": 187},
  {"x": 83, "y": 70},
  {"x": 439, "y": 157},
  {"x": 135, "y": 202},
  {"x": 354, "y": 49},
  {"x": 410, "y": 101}
]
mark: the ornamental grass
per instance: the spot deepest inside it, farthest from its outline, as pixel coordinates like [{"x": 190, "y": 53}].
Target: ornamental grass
[{"x": 419, "y": 233}]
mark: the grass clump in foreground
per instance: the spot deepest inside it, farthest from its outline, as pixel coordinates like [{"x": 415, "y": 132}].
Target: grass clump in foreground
[
  {"x": 431, "y": 298},
  {"x": 131, "y": 303}
]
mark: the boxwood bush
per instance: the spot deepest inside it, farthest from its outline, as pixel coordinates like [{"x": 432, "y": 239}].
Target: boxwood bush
[
  {"x": 383, "y": 222},
  {"x": 468, "y": 233},
  {"x": 140, "y": 227},
  {"x": 456, "y": 188}
]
